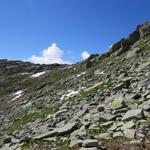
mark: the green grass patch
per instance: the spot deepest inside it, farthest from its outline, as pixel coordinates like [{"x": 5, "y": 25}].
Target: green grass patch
[
  {"x": 97, "y": 129},
  {"x": 30, "y": 117},
  {"x": 91, "y": 92}
]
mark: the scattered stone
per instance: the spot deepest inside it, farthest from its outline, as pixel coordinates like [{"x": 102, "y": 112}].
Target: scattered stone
[
  {"x": 58, "y": 113},
  {"x": 69, "y": 127},
  {"x": 45, "y": 135},
  {"x": 115, "y": 126},
  {"x": 90, "y": 143},
  {"x": 105, "y": 136},
  {"x": 117, "y": 134},
  {"x": 128, "y": 125},
  {"x": 119, "y": 86},
  {"x": 75, "y": 143},
  {"x": 120, "y": 111},
  {"x": 134, "y": 114},
  {"x": 57, "y": 131},
  {"x": 100, "y": 108},
  {"x": 107, "y": 124},
  {"x": 129, "y": 133},
  {"x": 116, "y": 104}
]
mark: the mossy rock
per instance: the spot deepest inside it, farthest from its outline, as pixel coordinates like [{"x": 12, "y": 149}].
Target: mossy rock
[
  {"x": 143, "y": 122},
  {"x": 116, "y": 104}
]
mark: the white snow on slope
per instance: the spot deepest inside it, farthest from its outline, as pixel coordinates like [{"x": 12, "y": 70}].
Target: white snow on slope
[
  {"x": 17, "y": 95},
  {"x": 25, "y": 73},
  {"x": 37, "y": 74},
  {"x": 81, "y": 74},
  {"x": 70, "y": 94},
  {"x": 18, "y": 92}
]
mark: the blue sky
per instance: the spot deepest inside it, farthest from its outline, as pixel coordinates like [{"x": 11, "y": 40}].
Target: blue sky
[{"x": 38, "y": 30}]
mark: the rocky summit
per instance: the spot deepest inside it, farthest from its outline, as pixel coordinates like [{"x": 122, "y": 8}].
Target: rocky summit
[{"x": 102, "y": 103}]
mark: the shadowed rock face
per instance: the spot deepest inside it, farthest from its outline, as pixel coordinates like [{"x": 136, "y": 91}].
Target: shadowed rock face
[
  {"x": 124, "y": 44},
  {"x": 100, "y": 103}
]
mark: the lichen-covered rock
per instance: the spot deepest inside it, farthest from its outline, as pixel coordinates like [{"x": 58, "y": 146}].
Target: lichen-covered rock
[
  {"x": 117, "y": 134},
  {"x": 105, "y": 136},
  {"x": 134, "y": 114},
  {"x": 129, "y": 133},
  {"x": 75, "y": 143},
  {"x": 128, "y": 125},
  {"x": 69, "y": 127},
  {"x": 116, "y": 104}
]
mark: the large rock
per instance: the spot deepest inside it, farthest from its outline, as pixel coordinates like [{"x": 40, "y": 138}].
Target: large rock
[
  {"x": 78, "y": 133},
  {"x": 75, "y": 143},
  {"x": 90, "y": 143},
  {"x": 107, "y": 124},
  {"x": 69, "y": 127},
  {"x": 134, "y": 114},
  {"x": 117, "y": 134},
  {"x": 58, "y": 113},
  {"x": 116, "y": 104},
  {"x": 129, "y": 133},
  {"x": 100, "y": 108},
  {"x": 45, "y": 135},
  {"x": 128, "y": 125},
  {"x": 115, "y": 126},
  {"x": 105, "y": 136}
]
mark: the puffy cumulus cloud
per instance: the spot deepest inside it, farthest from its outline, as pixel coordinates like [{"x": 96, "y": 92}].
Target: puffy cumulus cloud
[
  {"x": 53, "y": 54},
  {"x": 85, "y": 55}
]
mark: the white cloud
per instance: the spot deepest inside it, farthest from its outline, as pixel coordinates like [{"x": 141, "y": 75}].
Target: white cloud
[
  {"x": 85, "y": 55},
  {"x": 53, "y": 54}
]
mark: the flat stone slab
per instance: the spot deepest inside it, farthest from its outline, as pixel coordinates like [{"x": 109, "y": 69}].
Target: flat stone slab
[
  {"x": 129, "y": 133},
  {"x": 57, "y": 131},
  {"x": 45, "y": 135},
  {"x": 66, "y": 129},
  {"x": 117, "y": 134},
  {"x": 75, "y": 142},
  {"x": 90, "y": 143},
  {"x": 105, "y": 136},
  {"x": 116, "y": 104},
  {"x": 134, "y": 114}
]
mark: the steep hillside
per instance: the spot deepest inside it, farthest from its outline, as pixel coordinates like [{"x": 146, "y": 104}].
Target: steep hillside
[{"x": 100, "y": 103}]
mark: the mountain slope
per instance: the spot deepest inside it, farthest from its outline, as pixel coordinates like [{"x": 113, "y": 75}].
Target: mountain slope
[{"x": 100, "y": 103}]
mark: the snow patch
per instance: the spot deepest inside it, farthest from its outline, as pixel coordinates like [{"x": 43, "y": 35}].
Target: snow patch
[
  {"x": 37, "y": 74},
  {"x": 102, "y": 72},
  {"x": 81, "y": 74},
  {"x": 70, "y": 94},
  {"x": 17, "y": 95},
  {"x": 98, "y": 72},
  {"x": 24, "y": 73}
]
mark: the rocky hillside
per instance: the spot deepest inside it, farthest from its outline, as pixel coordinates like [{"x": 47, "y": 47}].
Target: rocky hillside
[{"x": 100, "y": 103}]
